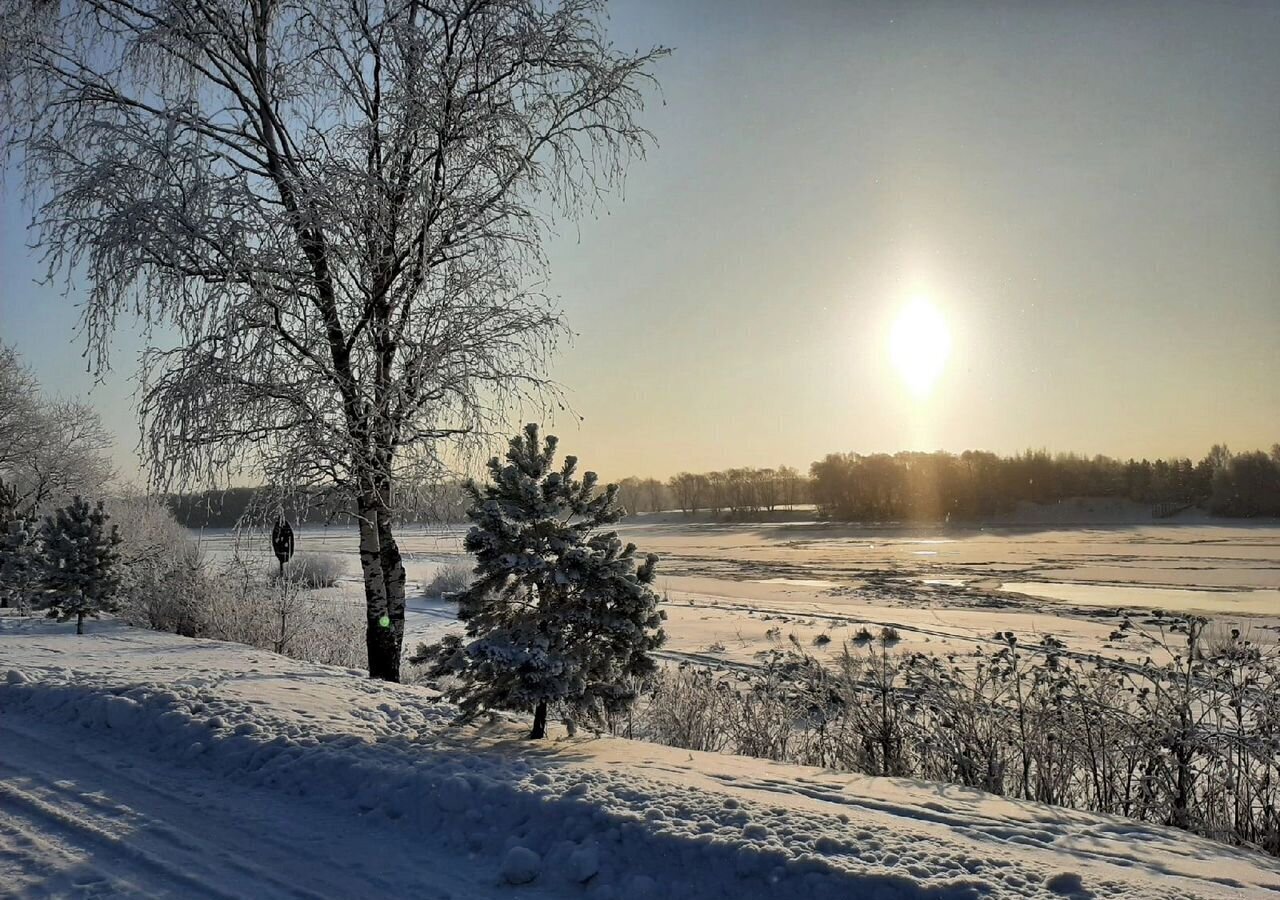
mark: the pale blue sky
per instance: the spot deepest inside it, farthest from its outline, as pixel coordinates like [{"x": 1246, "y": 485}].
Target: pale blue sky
[{"x": 1088, "y": 192}]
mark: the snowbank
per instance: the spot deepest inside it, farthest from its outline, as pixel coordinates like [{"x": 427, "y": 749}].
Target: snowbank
[{"x": 597, "y": 818}]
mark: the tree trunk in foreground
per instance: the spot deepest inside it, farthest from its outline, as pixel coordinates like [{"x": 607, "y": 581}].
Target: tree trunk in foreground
[
  {"x": 393, "y": 575},
  {"x": 384, "y": 593},
  {"x": 539, "y": 722},
  {"x": 384, "y": 583},
  {"x": 79, "y": 623}
]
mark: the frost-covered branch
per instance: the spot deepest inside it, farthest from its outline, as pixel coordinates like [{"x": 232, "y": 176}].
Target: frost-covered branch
[{"x": 338, "y": 208}]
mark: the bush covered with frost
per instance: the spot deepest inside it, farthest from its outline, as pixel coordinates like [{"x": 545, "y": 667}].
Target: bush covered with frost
[{"x": 1192, "y": 740}]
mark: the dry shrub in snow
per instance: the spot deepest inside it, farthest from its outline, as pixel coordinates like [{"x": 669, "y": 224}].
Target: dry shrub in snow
[
  {"x": 163, "y": 581},
  {"x": 167, "y": 584},
  {"x": 248, "y": 607},
  {"x": 687, "y": 707},
  {"x": 450, "y": 578},
  {"x": 311, "y": 570},
  {"x": 1193, "y": 742}
]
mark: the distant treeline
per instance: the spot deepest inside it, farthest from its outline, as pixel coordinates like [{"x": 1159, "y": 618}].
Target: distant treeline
[
  {"x": 228, "y": 507},
  {"x": 737, "y": 493},
  {"x": 939, "y": 486},
  {"x": 225, "y": 508},
  {"x": 907, "y": 486},
  {"x": 911, "y": 486}
]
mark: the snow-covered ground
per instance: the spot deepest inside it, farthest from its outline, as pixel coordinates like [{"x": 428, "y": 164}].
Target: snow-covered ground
[
  {"x": 134, "y": 763},
  {"x": 950, "y": 589},
  {"x": 734, "y": 591}
]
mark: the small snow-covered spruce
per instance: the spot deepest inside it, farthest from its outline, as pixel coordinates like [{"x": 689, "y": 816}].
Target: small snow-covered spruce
[
  {"x": 81, "y": 571},
  {"x": 561, "y": 612},
  {"x": 19, "y": 568}
]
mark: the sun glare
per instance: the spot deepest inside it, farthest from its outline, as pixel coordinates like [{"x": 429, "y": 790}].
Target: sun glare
[{"x": 919, "y": 345}]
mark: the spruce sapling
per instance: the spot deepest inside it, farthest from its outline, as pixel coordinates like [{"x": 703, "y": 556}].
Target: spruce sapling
[
  {"x": 81, "y": 562},
  {"x": 561, "y": 611}
]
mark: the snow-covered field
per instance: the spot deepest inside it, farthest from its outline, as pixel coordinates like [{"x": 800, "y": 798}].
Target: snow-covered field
[
  {"x": 734, "y": 591},
  {"x": 134, "y": 763},
  {"x": 945, "y": 590}
]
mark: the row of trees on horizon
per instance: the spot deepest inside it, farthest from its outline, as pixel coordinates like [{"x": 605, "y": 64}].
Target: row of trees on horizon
[
  {"x": 973, "y": 484},
  {"x": 52, "y": 449},
  {"x": 881, "y": 487},
  {"x": 916, "y": 486}
]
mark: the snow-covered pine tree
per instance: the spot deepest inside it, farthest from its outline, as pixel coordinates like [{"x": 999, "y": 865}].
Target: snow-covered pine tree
[
  {"x": 80, "y": 562},
  {"x": 19, "y": 566},
  {"x": 561, "y": 612}
]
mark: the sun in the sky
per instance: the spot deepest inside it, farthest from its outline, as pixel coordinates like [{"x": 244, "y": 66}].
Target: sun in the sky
[{"x": 919, "y": 344}]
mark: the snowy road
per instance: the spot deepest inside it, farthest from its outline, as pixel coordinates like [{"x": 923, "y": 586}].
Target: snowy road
[
  {"x": 79, "y": 819},
  {"x": 134, "y": 763}
]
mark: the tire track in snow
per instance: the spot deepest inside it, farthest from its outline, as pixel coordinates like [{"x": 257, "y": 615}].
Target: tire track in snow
[
  {"x": 138, "y": 830},
  {"x": 44, "y": 818}
]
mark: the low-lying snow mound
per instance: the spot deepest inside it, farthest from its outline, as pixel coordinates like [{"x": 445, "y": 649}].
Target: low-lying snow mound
[{"x": 599, "y": 818}]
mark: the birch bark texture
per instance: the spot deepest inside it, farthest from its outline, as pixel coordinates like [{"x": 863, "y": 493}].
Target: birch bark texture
[{"x": 328, "y": 216}]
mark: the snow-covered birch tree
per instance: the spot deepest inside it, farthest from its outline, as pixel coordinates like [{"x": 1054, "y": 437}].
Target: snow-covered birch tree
[{"x": 337, "y": 206}]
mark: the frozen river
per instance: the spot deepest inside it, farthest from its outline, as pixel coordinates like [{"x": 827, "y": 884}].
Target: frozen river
[{"x": 732, "y": 590}]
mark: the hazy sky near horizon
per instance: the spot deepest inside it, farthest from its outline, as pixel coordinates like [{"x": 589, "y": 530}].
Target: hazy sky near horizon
[{"x": 1087, "y": 193}]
